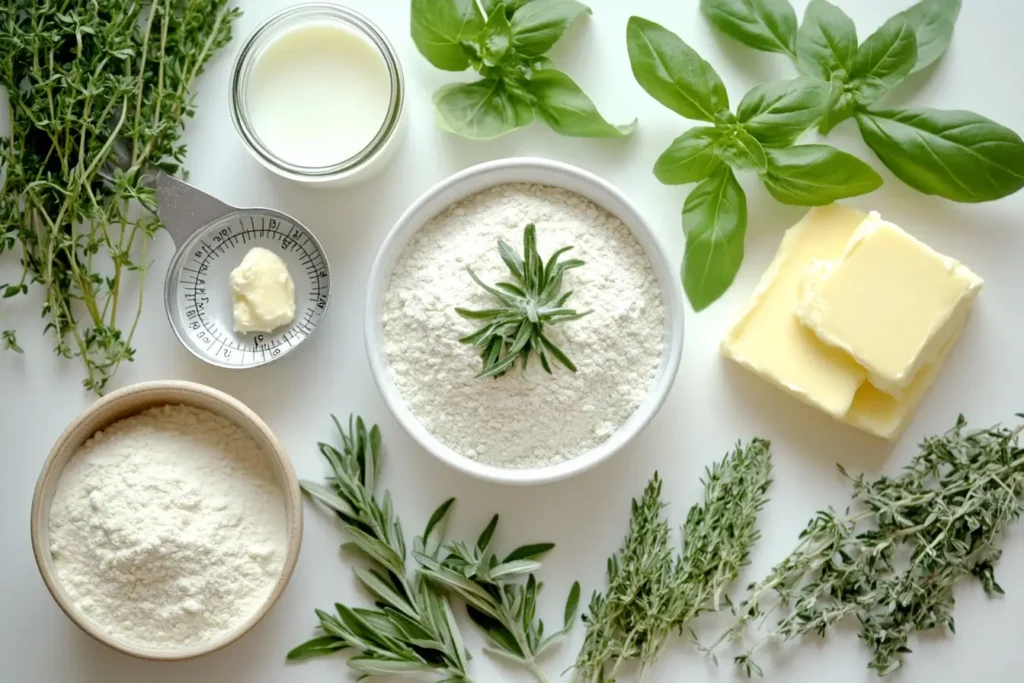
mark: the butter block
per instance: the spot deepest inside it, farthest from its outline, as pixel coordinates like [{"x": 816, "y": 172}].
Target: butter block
[
  {"x": 769, "y": 340},
  {"x": 889, "y": 301}
]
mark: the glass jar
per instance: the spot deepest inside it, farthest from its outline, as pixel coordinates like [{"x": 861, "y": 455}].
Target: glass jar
[{"x": 356, "y": 167}]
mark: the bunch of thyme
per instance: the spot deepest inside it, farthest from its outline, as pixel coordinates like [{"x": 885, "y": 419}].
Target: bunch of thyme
[
  {"x": 412, "y": 627},
  {"x": 652, "y": 591},
  {"x": 892, "y": 559},
  {"x": 99, "y": 93}
]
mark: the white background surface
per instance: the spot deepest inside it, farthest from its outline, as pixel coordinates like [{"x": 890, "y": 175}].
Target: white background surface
[{"x": 711, "y": 406}]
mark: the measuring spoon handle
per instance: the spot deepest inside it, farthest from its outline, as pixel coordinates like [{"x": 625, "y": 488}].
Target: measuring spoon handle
[{"x": 183, "y": 209}]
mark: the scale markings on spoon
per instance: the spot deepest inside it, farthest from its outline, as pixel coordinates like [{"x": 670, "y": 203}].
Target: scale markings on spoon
[{"x": 212, "y": 238}]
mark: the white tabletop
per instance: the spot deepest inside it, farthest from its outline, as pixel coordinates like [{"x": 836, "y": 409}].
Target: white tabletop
[{"x": 711, "y": 406}]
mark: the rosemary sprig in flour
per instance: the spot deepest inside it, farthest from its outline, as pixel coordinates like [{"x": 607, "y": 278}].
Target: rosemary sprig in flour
[
  {"x": 893, "y": 558},
  {"x": 514, "y": 328},
  {"x": 497, "y": 601},
  {"x": 411, "y": 628},
  {"x": 652, "y": 591}
]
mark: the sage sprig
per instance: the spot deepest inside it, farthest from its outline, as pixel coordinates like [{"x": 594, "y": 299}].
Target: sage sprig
[
  {"x": 956, "y": 154},
  {"x": 505, "y": 42},
  {"x": 514, "y": 328},
  {"x": 412, "y": 627},
  {"x": 759, "y": 138},
  {"x": 892, "y": 559},
  {"x": 497, "y": 600}
]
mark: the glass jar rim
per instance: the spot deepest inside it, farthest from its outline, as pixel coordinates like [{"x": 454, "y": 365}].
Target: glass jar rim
[{"x": 277, "y": 25}]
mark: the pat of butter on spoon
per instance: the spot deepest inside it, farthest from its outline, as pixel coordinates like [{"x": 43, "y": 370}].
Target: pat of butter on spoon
[{"x": 262, "y": 292}]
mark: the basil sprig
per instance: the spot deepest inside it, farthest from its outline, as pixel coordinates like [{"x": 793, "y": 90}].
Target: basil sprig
[
  {"x": 505, "y": 43},
  {"x": 758, "y": 138},
  {"x": 958, "y": 155}
]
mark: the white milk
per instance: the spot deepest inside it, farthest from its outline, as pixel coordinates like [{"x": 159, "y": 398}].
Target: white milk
[{"x": 318, "y": 94}]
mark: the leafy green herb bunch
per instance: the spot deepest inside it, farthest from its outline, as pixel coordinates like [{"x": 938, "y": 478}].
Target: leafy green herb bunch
[
  {"x": 954, "y": 154},
  {"x": 760, "y": 137},
  {"x": 505, "y": 43}
]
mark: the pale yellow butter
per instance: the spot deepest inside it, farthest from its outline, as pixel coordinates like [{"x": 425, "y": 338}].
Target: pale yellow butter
[
  {"x": 890, "y": 302},
  {"x": 769, "y": 340},
  {"x": 262, "y": 292}
]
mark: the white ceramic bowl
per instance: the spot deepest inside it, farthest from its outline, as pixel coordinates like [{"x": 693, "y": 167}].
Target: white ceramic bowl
[
  {"x": 469, "y": 182},
  {"x": 132, "y": 400}
]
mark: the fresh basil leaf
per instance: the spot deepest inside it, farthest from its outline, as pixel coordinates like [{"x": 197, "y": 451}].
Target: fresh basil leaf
[
  {"x": 439, "y": 28},
  {"x": 883, "y": 60},
  {"x": 567, "y": 109},
  {"x": 840, "y": 103},
  {"x": 481, "y": 110},
  {"x": 537, "y": 25},
  {"x": 777, "y": 113},
  {"x": 510, "y": 5},
  {"x": 814, "y": 175},
  {"x": 741, "y": 151},
  {"x": 958, "y": 155},
  {"x": 496, "y": 37},
  {"x": 672, "y": 72},
  {"x": 933, "y": 22},
  {"x": 826, "y": 40},
  {"x": 715, "y": 223},
  {"x": 690, "y": 158},
  {"x": 768, "y": 25}
]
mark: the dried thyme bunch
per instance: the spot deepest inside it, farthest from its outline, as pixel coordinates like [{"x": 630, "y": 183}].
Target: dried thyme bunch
[
  {"x": 86, "y": 81},
  {"x": 515, "y": 327},
  {"x": 891, "y": 560},
  {"x": 411, "y": 628},
  {"x": 652, "y": 591},
  {"x": 504, "y": 607}
]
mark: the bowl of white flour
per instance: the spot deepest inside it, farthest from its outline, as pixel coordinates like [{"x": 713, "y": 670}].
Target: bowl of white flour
[
  {"x": 531, "y": 426},
  {"x": 167, "y": 520}
]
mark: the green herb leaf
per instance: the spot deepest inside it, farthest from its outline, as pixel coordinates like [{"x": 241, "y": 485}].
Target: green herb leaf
[
  {"x": 690, "y": 158},
  {"x": 768, "y": 25},
  {"x": 839, "y": 106},
  {"x": 883, "y": 60},
  {"x": 814, "y": 175},
  {"x": 566, "y": 108},
  {"x": 317, "y": 647},
  {"x": 538, "y": 25},
  {"x": 672, "y": 72},
  {"x": 741, "y": 151},
  {"x": 440, "y": 28},
  {"x": 958, "y": 155},
  {"x": 826, "y": 41},
  {"x": 933, "y": 22},
  {"x": 481, "y": 110},
  {"x": 10, "y": 341},
  {"x": 496, "y": 37},
  {"x": 715, "y": 223},
  {"x": 529, "y": 552},
  {"x": 776, "y": 114}
]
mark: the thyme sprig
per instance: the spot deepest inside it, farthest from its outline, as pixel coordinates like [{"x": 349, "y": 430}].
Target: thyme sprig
[
  {"x": 412, "y": 627},
  {"x": 653, "y": 591},
  {"x": 98, "y": 94},
  {"x": 504, "y": 607},
  {"x": 514, "y": 328},
  {"x": 891, "y": 560}
]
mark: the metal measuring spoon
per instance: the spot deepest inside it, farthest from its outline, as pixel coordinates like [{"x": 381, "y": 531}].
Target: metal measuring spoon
[{"x": 211, "y": 238}]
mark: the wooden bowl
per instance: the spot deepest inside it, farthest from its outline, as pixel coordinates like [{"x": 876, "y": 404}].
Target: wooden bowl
[{"x": 125, "y": 403}]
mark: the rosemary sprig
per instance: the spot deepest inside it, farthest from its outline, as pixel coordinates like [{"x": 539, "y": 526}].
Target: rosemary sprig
[
  {"x": 497, "y": 601},
  {"x": 892, "y": 559},
  {"x": 99, "y": 95},
  {"x": 651, "y": 590},
  {"x": 411, "y": 628},
  {"x": 514, "y": 328}
]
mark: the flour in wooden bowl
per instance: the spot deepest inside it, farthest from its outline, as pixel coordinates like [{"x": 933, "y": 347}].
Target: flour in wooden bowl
[{"x": 536, "y": 419}]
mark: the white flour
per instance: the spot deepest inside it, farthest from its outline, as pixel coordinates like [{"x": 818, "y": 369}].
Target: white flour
[
  {"x": 167, "y": 528},
  {"x": 537, "y": 419}
]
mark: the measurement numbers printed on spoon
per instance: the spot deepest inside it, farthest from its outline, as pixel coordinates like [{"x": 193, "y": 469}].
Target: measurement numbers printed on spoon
[{"x": 199, "y": 302}]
